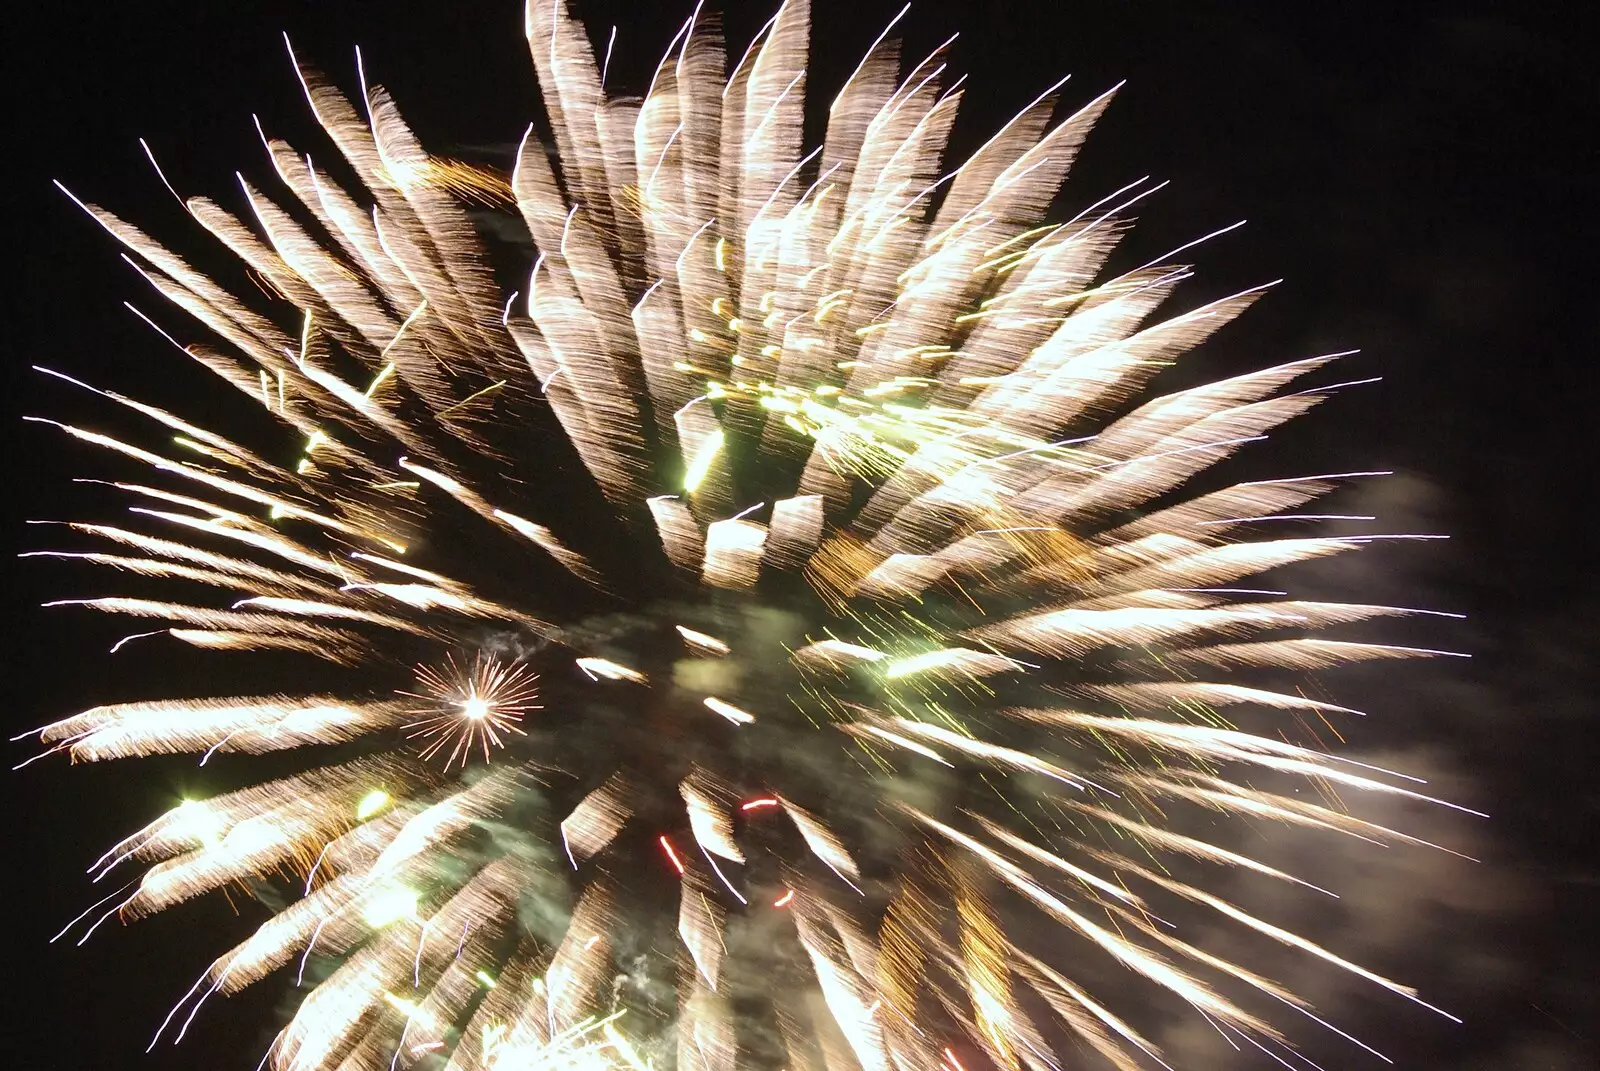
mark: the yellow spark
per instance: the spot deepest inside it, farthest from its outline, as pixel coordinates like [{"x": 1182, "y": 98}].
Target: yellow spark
[
  {"x": 702, "y": 641},
  {"x": 410, "y": 1007},
  {"x": 377, "y": 381},
  {"x": 193, "y": 820},
  {"x": 729, "y": 711},
  {"x": 390, "y": 906},
  {"x": 469, "y": 399},
  {"x": 604, "y": 667},
  {"x": 190, "y": 444},
  {"x": 703, "y": 459},
  {"x": 371, "y": 804},
  {"x": 902, "y": 667}
]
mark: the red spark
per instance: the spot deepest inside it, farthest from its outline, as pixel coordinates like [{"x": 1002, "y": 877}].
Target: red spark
[{"x": 677, "y": 864}]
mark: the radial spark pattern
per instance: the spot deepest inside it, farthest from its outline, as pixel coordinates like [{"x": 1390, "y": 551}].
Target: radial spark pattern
[
  {"x": 470, "y": 707},
  {"x": 877, "y": 620}
]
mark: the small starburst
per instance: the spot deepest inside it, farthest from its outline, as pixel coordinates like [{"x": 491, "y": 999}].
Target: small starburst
[{"x": 470, "y": 707}]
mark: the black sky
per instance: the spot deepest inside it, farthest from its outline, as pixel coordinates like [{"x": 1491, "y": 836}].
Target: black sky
[{"x": 1421, "y": 174}]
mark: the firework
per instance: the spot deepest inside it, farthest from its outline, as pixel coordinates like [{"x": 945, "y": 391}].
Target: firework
[
  {"x": 475, "y": 706},
  {"x": 872, "y": 619}
]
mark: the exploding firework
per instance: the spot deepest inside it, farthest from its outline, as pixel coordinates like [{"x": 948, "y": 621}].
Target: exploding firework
[
  {"x": 473, "y": 707},
  {"x": 874, "y": 623}
]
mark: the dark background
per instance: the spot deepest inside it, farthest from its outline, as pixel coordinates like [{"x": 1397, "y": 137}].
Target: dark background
[{"x": 1423, "y": 176}]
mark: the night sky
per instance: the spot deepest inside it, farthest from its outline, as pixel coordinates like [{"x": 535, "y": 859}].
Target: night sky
[{"x": 1421, "y": 175}]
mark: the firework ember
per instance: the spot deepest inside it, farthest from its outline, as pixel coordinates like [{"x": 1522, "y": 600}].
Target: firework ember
[{"x": 895, "y": 692}]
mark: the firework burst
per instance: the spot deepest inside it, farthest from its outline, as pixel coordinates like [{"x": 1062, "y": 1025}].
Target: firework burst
[
  {"x": 874, "y": 617},
  {"x": 472, "y": 707}
]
